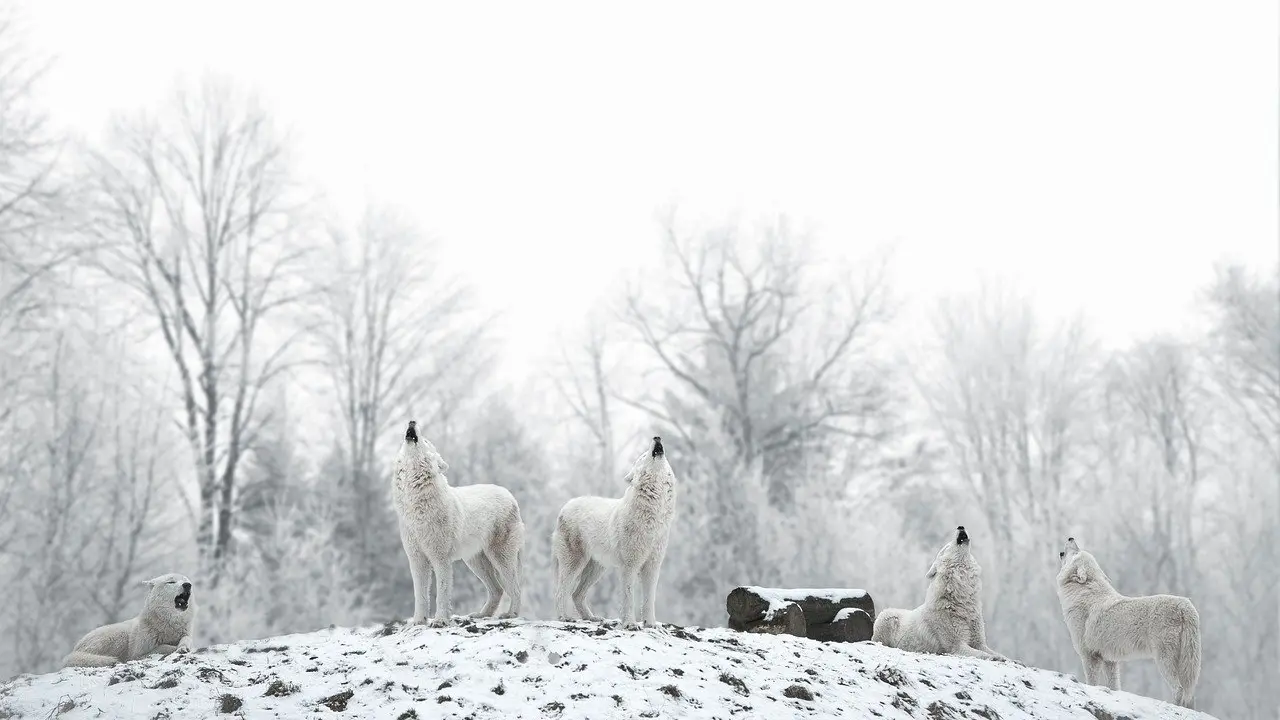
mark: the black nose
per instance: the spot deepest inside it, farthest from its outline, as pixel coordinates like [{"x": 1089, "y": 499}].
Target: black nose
[
  {"x": 411, "y": 435},
  {"x": 962, "y": 537},
  {"x": 657, "y": 446},
  {"x": 186, "y": 587},
  {"x": 1071, "y": 539}
]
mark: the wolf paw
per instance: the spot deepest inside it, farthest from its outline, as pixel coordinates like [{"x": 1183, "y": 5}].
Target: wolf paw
[
  {"x": 508, "y": 616},
  {"x": 653, "y": 624},
  {"x": 435, "y": 622},
  {"x": 633, "y": 625}
]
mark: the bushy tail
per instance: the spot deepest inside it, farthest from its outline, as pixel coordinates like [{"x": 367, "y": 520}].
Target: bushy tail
[
  {"x": 1178, "y": 654},
  {"x": 84, "y": 659},
  {"x": 1188, "y": 656}
]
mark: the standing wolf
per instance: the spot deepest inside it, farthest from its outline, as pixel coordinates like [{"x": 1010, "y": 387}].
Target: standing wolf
[
  {"x": 164, "y": 626},
  {"x": 1107, "y": 627},
  {"x": 478, "y": 524},
  {"x": 630, "y": 533},
  {"x": 950, "y": 620}
]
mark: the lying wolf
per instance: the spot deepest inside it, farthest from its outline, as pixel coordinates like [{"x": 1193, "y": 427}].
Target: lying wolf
[
  {"x": 950, "y": 620},
  {"x": 1107, "y": 627},
  {"x": 629, "y": 533},
  {"x": 478, "y": 524},
  {"x": 164, "y": 626}
]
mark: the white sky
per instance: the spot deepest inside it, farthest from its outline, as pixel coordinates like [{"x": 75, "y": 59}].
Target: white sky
[{"x": 1102, "y": 153}]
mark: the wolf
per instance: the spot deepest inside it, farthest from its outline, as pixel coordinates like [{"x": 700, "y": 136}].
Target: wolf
[
  {"x": 950, "y": 620},
  {"x": 629, "y": 533},
  {"x": 1107, "y": 627},
  {"x": 164, "y": 626},
  {"x": 478, "y": 524}
]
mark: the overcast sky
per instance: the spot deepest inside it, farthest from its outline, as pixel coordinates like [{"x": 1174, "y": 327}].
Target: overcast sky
[{"x": 1104, "y": 154}]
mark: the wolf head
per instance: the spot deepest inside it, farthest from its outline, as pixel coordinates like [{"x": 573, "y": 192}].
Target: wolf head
[
  {"x": 168, "y": 592},
  {"x": 956, "y": 550},
  {"x": 954, "y": 573},
  {"x": 651, "y": 463},
  {"x": 418, "y": 456},
  {"x": 1079, "y": 569}
]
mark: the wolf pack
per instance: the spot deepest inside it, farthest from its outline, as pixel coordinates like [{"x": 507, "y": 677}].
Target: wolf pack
[{"x": 481, "y": 526}]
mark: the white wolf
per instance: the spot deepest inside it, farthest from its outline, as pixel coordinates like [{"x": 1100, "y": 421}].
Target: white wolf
[
  {"x": 1107, "y": 627},
  {"x": 478, "y": 524},
  {"x": 630, "y": 533},
  {"x": 165, "y": 625},
  {"x": 950, "y": 620}
]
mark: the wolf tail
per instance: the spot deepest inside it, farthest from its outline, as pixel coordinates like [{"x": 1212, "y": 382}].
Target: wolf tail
[
  {"x": 85, "y": 659},
  {"x": 1187, "y": 664}
]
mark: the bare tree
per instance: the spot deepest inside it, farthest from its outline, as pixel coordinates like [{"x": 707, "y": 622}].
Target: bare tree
[
  {"x": 763, "y": 366},
  {"x": 582, "y": 382},
  {"x": 197, "y": 213},
  {"x": 32, "y": 198},
  {"x": 1014, "y": 406},
  {"x": 1156, "y": 416},
  {"x": 1246, "y": 349},
  {"x": 399, "y": 337},
  {"x": 734, "y": 335}
]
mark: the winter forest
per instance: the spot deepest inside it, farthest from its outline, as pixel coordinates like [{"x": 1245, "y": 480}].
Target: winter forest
[{"x": 206, "y": 371}]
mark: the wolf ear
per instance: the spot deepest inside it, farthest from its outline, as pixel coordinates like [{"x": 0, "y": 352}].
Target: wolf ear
[
  {"x": 627, "y": 478},
  {"x": 147, "y": 583},
  {"x": 1079, "y": 576},
  {"x": 933, "y": 570}
]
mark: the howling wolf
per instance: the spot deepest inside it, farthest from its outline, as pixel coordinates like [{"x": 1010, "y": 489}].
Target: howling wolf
[
  {"x": 164, "y": 626},
  {"x": 950, "y": 620},
  {"x": 478, "y": 524},
  {"x": 1107, "y": 627},
  {"x": 630, "y": 533}
]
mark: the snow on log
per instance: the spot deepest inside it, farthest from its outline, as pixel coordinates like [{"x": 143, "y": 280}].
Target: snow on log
[{"x": 749, "y": 603}]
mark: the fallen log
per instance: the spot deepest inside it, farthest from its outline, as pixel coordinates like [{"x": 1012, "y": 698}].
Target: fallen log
[
  {"x": 787, "y": 619},
  {"x": 850, "y": 625},
  {"x": 749, "y": 603}
]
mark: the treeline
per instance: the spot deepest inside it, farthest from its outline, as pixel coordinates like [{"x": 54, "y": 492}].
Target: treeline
[{"x": 204, "y": 372}]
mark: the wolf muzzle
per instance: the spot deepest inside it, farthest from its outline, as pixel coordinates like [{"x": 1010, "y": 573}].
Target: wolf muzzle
[
  {"x": 657, "y": 447},
  {"x": 411, "y": 435}
]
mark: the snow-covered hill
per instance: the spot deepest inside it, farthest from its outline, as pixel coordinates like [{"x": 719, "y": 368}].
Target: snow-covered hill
[{"x": 496, "y": 669}]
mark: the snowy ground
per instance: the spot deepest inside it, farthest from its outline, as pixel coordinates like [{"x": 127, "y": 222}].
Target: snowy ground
[{"x": 495, "y": 669}]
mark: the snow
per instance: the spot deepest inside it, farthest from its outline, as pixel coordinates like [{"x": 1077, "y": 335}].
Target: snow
[
  {"x": 779, "y": 598},
  {"x": 848, "y": 613},
  {"x": 519, "y": 669}
]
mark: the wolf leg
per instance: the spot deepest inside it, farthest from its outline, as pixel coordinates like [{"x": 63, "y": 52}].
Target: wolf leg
[
  {"x": 590, "y": 574},
  {"x": 1110, "y": 674},
  {"x": 1092, "y": 669},
  {"x": 505, "y": 556},
  {"x": 483, "y": 569},
  {"x": 571, "y": 563},
  {"x": 420, "y": 571},
  {"x": 630, "y": 578},
  {"x": 443, "y": 570},
  {"x": 966, "y": 651},
  {"x": 649, "y": 590}
]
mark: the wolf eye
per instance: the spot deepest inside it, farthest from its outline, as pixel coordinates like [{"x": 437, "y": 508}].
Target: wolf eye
[{"x": 1062, "y": 554}]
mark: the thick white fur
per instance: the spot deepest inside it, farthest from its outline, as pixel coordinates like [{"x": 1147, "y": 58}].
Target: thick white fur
[
  {"x": 439, "y": 524},
  {"x": 950, "y": 620},
  {"x": 1107, "y": 627},
  {"x": 160, "y": 629},
  {"x": 629, "y": 533}
]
